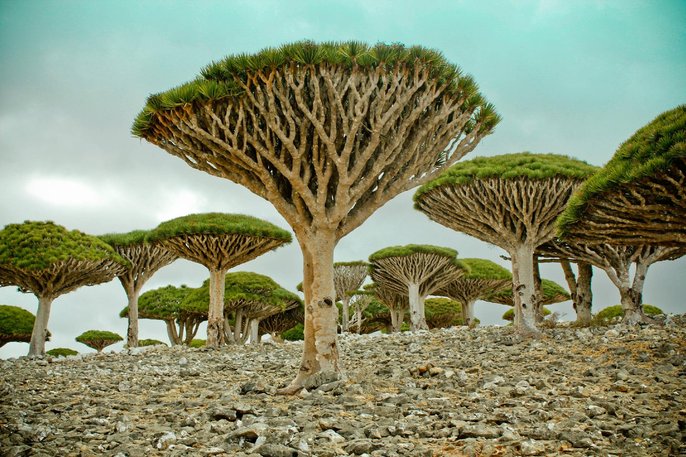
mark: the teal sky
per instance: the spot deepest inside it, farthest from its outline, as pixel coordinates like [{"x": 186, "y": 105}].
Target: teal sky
[{"x": 571, "y": 77}]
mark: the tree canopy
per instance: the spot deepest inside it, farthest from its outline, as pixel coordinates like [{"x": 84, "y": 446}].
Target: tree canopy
[
  {"x": 98, "y": 339},
  {"x": 551, "y": 292},
  {"x": 485, "y": 269},
  {"x": 16, "y": 324},
  {"x": 162, "y": 303},
  {"x": 637, "y": 197}
]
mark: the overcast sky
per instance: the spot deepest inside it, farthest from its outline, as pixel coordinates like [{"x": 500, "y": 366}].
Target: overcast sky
[{"x": 574, "y": 78}]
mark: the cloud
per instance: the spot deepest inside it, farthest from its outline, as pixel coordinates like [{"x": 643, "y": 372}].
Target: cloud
[{"x": 68, "y": 192}]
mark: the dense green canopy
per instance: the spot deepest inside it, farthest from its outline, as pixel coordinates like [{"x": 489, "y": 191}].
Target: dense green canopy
[
  {"x": 655, "y": 154},
  {"x": 61, "y": 352},
  {"x": 218, "y": 224},
  {"x": 484, "y": 269},
  {"x": 35, "y": 246},
  {"x": 551, "y": 293},
  {"x": 409, "y": 249},
  {"x": 240, "y": 289},
  {"x": 98, "y": 339},
  {"x": 442, "y": 312},
  {"x": 509, "y": 166},
  {"x": 134, "y": 237},
  {"x": 16, "y": 324},
  {"x": 229, "y": 77},
  {"x": 162, "y": 303}
]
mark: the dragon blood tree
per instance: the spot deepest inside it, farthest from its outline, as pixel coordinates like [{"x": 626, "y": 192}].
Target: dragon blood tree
[
  {"x": 218, "y": 242},
  {"x": 617, "y": 261},
  {"x": 415, "y": 270},
  {"x": 327, "y": 133},
  {"x": 638, "y": 197},
  {"x": 48, "y": 260},
  {"x": 347, "y": 277},
  {"x": 164, "y": 304},
  {"x": 398, "y": 303},
  {"x": 482, "y": 279},
  {"x": 280, "y": 322},
  {"x": 145, "y": 259},
  {"x": 551, "y": 293},
  {"x": 511, "y": 201},
  {"x": 16, "y": 325},
  {"x": 98, "y": 339}
]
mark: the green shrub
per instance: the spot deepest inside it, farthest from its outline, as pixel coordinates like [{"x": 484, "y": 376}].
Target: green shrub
[
  {"x": 509, "y": 314},
  {"x": 61, "y": 352},
  {"x": 613, "y": 314},
  {"x": 198, "y": 343},
  {"x": 149, "y": 342},
  {"x": 295, "y": 333}
]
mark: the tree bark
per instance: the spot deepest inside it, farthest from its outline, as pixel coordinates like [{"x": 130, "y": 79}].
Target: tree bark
[
  {"x": 468, "y": 312},
  {"x": 40, "y": 327},
  {"x": 254, "y": 331},
  {"x": 538, "y": 306},
  {"x": 345, "y": 309},
  {"x": 632, "y": 297},
  {"x": 171, "y": 333},
  {"x": 132, "y": 294},
  {"x": 215, "y": 313},
  {"x": 320, "y": 352},
  {"x": 238, "y": 325},
  {"x": 417, "y": 316},
  {"x": 583, "y": 295},
  {"x": 524, "y": 289}
]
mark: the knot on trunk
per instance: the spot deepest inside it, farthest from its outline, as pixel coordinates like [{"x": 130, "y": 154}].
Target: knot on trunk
[{"x": 327, "y": 302}]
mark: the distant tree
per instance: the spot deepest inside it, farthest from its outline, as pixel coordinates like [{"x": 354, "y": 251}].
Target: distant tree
[
  {"x": 151, "y": 342},
  {"x": 16, "y": 324},
  {"x": 164, "y": 303},
  {"x": 219, "y": 242},
  {"x": 280, "y": 322},
  {"x": 551, "y": 293},
  {"x": 511, "y": 201},
  {"x": 638, "y": 197},
  {"x": 443, "y": 312},
  {"x": 617, "y": 261},
  {"x": 98, "y": 339},
  {"x": 327, "y": 133},
  {"x": 250, "y": 297},
  {"x": 360, "y": 300},
  {"x": 61, "y": 352},
  {"x": 482, "y": 278},
  {"x": 347, "y": 277},
  {"x": 509, "y": 314},
  {"x": 397, "y": 304},
  {"x": 145, "y": 259},
  {"x": 48, "y": 260},
  {"x": 607, "y": 316},
  {"x": 417, "y": 271}
]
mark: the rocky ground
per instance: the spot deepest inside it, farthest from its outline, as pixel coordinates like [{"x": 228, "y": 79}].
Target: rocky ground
[{"x": 606, "y": 391}]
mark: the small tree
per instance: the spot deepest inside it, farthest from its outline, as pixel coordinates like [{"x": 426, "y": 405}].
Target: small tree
[
  {"x": 327, "y": 133},
  {"x": 151, "y": 342},
  {"x": 417, "y": 271},
  {"x": 360, "y": 300},
  {"x": 551, "y": 293},
  {"x": 483, "y": 278},
  {"x": 397, "y": 303},
  {"x": 609, "y": 315},
  {"x": 347, "y": 277},
  {"x": 48, "y": 260},
  {"x": 617, "y": 262},
  {"x": 509, "y": 314},
  {"x": 98, "y": 339},
  {"x": 510, "y": 201},
  {"x": 144, "y": 260},
  {"x": 16, "y": 324},
  {"x": 638, "y": 197},
  {"x": 219, "y": 242},
  {"x": 280, "y": 322},
  {"x": 61, "y": 352},
  {"x": 443, "y": 312},
  {"x": 164, "y": 303}
]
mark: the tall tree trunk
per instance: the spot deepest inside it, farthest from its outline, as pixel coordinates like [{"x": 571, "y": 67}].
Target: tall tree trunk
[
  {"x": 40, "y": 327},
  {"x": 538, "y": 303},
  {"x": 417, "y": 316},
  {"x": 468, "y": 312},
  {"x": 238, "y": 325},
  {"x": 632, "y": 297},
  {"x": 320, "y": 352},
  {"x": 132, "y": 294},
  {"x": 397, "y": 316},
  {"x": 254, "y": 331},
  {"x": 215, "y": 313},
  {"x": 583, "y": 296},
  {"x": 195, "y": 325},
  {"x": 345, "y": 309},
  {"x": 524, "y": 289}
]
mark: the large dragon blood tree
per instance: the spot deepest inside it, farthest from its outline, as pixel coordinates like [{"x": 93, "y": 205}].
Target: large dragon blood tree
[
  {"x": 482, "y": 279},
  {"x": 219, "y": 242},
  {"x": 48, "y": 260},
  {"x": 511, "y": 201},
  {"x": 347, "y": 277},
  {"x": 16, "y": 324},
  {"x": 145, "y": 259},
  {"x": 415, "y": 270},
  {"x": 327, "y": 133},
  {"x": 638, "y": 197}
]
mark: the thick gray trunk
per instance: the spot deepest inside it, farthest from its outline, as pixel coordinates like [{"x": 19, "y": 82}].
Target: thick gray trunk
[
  {"x": 583, "y": 296},
  {"x": 345, "y": 320},
  {"x": 417, "y": 316},
  {"x": 524, "y": 289},
  {"x": 132, "y": 331},
  {"x": 254, "y": 331},
  {"x": 215, "y": 314},
  {"x": 468, "y": 313},
  {"x": 40, "y": 327},
  {"x": 174, "y": 338}
]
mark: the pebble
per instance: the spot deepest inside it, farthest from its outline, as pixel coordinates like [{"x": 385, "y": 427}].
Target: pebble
[{"x": 475, "y": 392}]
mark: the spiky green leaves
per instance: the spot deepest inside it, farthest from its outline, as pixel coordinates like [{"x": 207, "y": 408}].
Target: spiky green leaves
[
  {"x": 35, "y": 246},
  {"x": 218, "y": 224},
  {"x": 655, "y": 153},
  {"x": 229, "y": 77},
  {"x": 523, "y": 165},
  {"x": 16, "y": 324}
]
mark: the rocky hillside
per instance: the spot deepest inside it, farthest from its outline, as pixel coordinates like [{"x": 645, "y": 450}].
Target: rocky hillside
[{"x": 483, "y": 392}]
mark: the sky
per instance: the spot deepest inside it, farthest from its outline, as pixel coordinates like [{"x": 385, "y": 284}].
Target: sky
[{"x": 575, "y": 78}]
